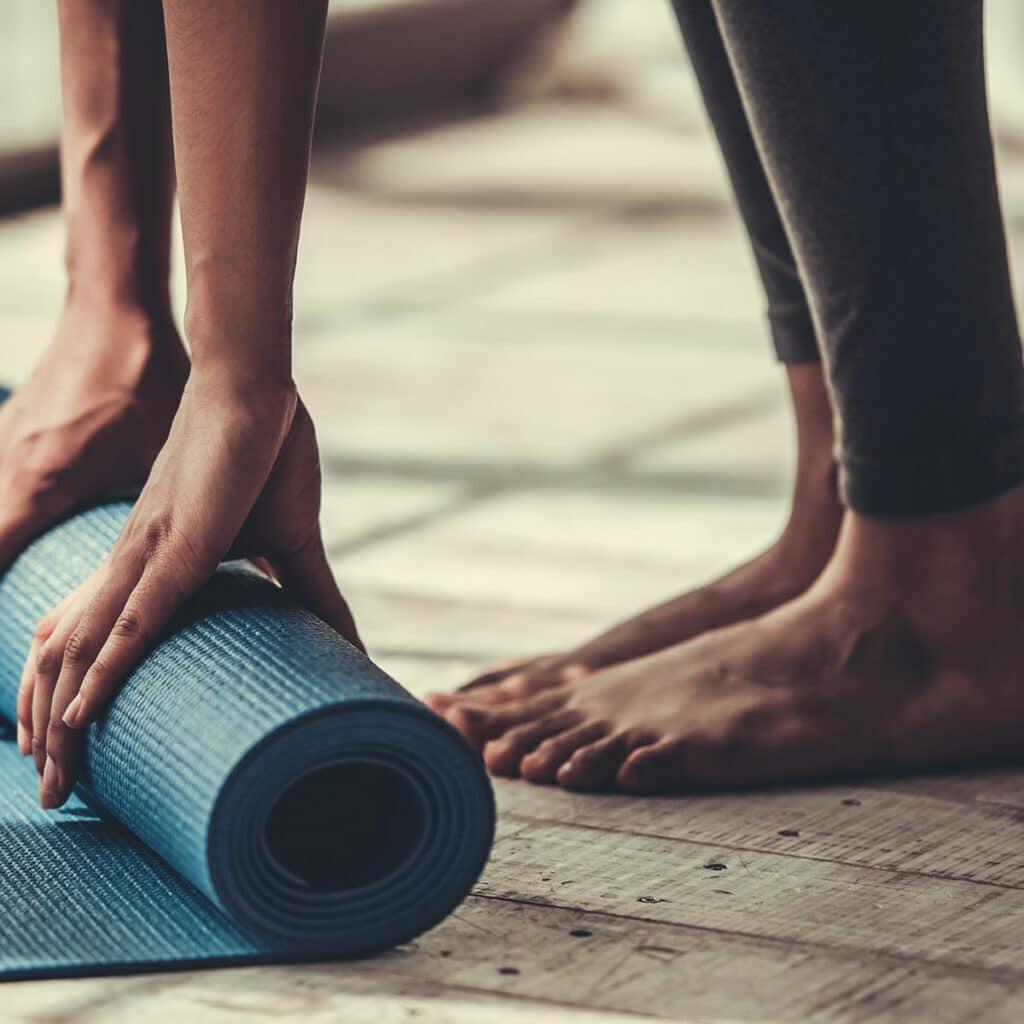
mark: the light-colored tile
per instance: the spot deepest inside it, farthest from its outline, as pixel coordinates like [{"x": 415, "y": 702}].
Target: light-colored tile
[
  {"x": 431, "y": 388},
  {"x": 760, "y": 449},
  {"x": 586, "y": 553},
  {"x": 573, "y": 155},
  {"x": 22, "y": 341},
  {"x": 410, "y": 622},
  {"x": 357, "y": 251},
  {"x": 31, "y": 266},
  {"x": 693, "y": 270},
  {"x": 358, "y": 505}
]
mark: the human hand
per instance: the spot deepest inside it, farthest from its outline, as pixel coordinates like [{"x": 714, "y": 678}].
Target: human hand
[
  {"x": 89, "y": 421},
  {"x": 239, "y": 476}
]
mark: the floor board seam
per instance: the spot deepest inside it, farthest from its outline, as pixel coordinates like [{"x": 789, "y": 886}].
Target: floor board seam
[
  {"x": 529, "y": 819},
  {"x": 1000, "y": 975}
]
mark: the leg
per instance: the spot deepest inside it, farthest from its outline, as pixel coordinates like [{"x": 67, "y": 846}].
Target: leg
[
  {"x": 239, "y": 474},
  {"x": 797, "y": 558},
  {"x": 95, "y": 412},
  {"x": 907, "y": 651}
]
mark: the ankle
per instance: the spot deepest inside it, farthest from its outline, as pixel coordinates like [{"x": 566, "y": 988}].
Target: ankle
[
  {"x": 965, "y": 558},
  {"x": 812, "y": 531}
]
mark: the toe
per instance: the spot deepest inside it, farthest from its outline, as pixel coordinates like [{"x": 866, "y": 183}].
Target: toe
[
  {"x": 515, "y": 687},
  {"x": 542, "y": 764},
  {"x": 498, "y": 673},
  {"x": 439, "y": 702},
  {"x": 503, "y": 755},
  {"x": 481, "y": 722},
  {"x": 594, "y": 766},
  {"x": 519, "y": 681},
  {"x": 653, "y": 768}
]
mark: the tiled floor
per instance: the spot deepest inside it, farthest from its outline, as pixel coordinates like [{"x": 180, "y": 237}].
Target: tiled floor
[{"x": 534, "y": 351}]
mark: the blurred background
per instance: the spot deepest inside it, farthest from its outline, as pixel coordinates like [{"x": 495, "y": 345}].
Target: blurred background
[{"x": 527, "y": 323}]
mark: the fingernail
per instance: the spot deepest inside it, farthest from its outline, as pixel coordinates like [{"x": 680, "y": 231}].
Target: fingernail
[
  {"x": 49, "y": 787},
  {"x": 73, "y": 713},
  {"x": 24, "y": 747}
]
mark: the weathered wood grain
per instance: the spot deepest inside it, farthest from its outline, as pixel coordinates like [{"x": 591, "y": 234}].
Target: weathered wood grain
[
  {"x": 817, "y": 904},
  {"x": 893, "y": 829},
  {"x": 558, "y": 965}
]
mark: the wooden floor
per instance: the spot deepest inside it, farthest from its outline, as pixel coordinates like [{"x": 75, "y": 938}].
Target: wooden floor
[
  {"x": 533, "y": 348},
  {"x": 900, "y": 902}
]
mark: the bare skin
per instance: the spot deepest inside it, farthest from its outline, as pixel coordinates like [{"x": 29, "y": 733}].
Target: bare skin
[
  {"x": 239, "y": 471},
  {"x": 906, "y": 654},
  {"x": 99, "y": 405},
  {"x": 786, "y": 570},
  {"x": 89, "y": 421}
]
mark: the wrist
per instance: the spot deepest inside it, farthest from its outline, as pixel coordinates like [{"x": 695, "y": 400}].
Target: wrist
[
  {"x": 246, "y": 348},
  {"x": 235, "y": 393}
]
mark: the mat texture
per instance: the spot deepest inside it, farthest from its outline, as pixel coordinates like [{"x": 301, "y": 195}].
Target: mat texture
[{"x": 257, "y": 791}]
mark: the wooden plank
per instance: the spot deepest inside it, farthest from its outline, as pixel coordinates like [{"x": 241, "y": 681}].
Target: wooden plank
[
  {"x": 455, "y": 973},
  {"x": 275, "y": 994},
  {"x": 1002, "y": 787},
  {"x": 815, "y": 904},
  {"x": 866, "y": 826}
]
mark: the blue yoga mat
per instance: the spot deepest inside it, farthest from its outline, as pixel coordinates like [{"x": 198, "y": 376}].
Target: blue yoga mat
[{"x": 257, "y": 791}]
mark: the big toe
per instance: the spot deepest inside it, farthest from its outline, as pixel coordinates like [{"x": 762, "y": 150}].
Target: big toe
[{"x": 652, "y": 769}]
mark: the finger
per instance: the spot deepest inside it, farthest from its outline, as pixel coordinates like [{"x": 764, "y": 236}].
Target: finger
[
  {"x": 63, "y": 745},
  {"x": 25, "y": 691},
  {"x": 126, "y": 636},
  {"x": 306, "y": 576},
  {"x": 265, "y": 567},
  {"x": 26, "y": 687},
  {"x": 47, "y": 668}
]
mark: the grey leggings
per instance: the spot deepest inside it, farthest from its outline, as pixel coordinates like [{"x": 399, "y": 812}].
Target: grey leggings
[{"x": 856, "y": 137}]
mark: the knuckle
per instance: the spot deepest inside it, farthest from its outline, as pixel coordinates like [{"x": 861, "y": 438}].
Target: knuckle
[
  {"x": 42, "y": 631},
  {"x": 48, "y": 659},
  {"x": 56, "y": 736},
  {"x": 99, "y": 670},
  {"x": 39, "y": 743},
  {"x": 156, "y": 535},
  {"x": 129, "y": 625},
  {"x": 75, "y": 648}
]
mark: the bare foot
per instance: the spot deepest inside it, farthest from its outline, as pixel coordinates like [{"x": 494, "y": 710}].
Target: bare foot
[
  {"x": 786, "y": 570},
  {"x": 90, "y": 419},
  {"x": 907, "y": 654}
]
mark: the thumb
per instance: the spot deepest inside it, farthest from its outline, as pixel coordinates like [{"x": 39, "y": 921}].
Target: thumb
[{"x": 307, "y": 578}]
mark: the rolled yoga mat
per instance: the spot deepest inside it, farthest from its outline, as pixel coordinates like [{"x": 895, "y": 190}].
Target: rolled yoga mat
[{"x": 257, "y": 791}]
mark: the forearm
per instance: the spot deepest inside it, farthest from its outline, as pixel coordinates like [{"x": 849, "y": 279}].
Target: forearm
[
  {"x": 243, "y": 76},
  {"x": 116, "y": 161}
]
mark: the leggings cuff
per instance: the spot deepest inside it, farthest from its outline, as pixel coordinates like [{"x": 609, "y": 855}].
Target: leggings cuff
[
  {"x": 955, "y": 478},
  {"x": 793, "y": 334}
]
